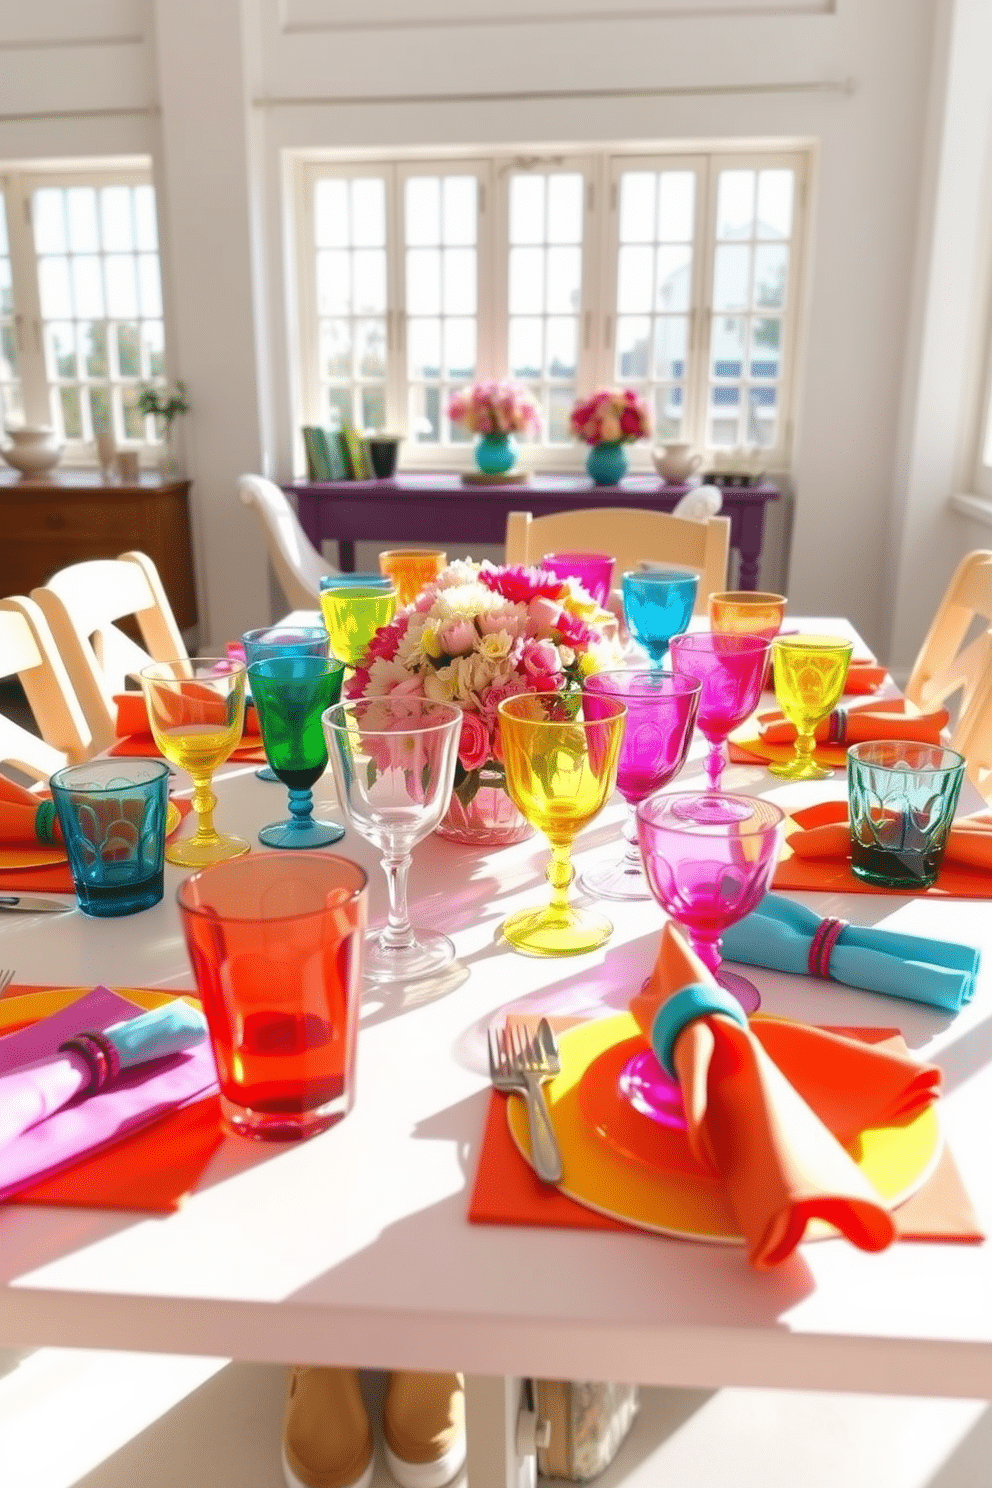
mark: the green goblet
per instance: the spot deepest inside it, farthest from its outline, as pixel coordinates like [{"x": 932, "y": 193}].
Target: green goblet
[{"x": 291, "y": 693}]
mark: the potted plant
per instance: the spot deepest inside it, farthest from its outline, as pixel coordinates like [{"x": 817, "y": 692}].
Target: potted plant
[{"x": 165, "y": 403}]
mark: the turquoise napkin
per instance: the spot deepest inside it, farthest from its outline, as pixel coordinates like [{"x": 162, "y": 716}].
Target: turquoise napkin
[{"x": 779, "y": 934}]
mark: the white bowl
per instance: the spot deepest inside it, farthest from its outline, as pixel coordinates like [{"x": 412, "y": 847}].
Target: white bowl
[{"x": 33, "y": 448}]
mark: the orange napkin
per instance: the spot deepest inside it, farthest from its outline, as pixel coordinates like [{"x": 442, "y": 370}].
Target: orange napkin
[
  {"x": 768, "y": 1106},
  {"x": 969, "y": 841},
  {"x": 864, "y": 676},
  {"x": 135, "y": 735},
  {"x": 132, "y": 714},
  {"x": 26, "y": 819},
  {"x": 53, "y": 875},
  {"x": 847, "y": 726}
]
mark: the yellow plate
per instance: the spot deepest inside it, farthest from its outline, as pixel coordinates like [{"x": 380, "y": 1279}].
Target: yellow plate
[
  {"x": 895, "y": 1160},
  {"x": 28, "y": 1007},
  {"x": 43, "y": 857}
]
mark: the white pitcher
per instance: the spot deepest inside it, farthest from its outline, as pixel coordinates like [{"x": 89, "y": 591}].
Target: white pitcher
[{"x": 675, "y": 462}]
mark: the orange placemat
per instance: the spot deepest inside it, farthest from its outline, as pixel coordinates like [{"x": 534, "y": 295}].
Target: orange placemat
[
  {"x": 151, "y": 1171},
  {"x": 746, "y": 747},
  {"x": 506, "y": 1190},
  {"x": 55, "y": 877},
  {"x": 834, "y": 876}
]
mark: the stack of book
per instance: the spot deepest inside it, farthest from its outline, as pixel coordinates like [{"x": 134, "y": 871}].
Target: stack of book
[{"x": 336, "y": 454}]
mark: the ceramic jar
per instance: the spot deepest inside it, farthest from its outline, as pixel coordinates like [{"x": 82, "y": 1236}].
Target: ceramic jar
[{"x": 34, "y": 449}]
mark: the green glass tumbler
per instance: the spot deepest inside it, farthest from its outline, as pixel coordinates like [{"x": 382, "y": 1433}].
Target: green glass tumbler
[
  {"x": 901, "y": 800},
  {"x": 291, "y": 693}
]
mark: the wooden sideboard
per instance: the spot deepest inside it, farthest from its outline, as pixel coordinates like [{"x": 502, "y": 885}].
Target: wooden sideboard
[{"x": 46, "y": 524}]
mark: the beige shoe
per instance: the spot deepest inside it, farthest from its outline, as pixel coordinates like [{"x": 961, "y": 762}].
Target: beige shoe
[
  {"x": 326, "y": 1436},
  {"x": 423, "y": 1421}
]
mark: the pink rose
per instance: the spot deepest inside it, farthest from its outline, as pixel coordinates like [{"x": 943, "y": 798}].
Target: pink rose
[
  {"x": 630, "y": 422},
  {"x": 473, "y": 747},
  {"x": 544, "y": 615},
  {"x": 492, "y": 698},
  {"x": 541, "y": 661},
  {"x": 457, "y": 636}
]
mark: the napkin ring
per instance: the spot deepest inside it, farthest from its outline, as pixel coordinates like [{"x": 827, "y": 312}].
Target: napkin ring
[
  {"x": 837, "y": 726},
  {"x": 698, "y": 1000},
  {"x": 821, "y": 947},
  {"x": 99, "y": 1055}
]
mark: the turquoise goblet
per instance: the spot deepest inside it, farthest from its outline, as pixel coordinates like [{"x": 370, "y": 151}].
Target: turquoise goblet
[
  {"x": 658, "y": 604},
  {"x": 291, "y": 693}
]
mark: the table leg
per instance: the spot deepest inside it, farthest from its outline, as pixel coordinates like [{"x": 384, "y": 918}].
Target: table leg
[
  {"x": 346, "y": 555},
  {"x": 492, "y": 1405}
]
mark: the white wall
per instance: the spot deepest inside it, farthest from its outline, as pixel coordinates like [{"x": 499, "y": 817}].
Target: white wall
[{"x": 243, "y": 82}]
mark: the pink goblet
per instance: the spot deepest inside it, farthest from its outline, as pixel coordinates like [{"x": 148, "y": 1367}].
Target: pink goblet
[
  {"x": 594, "y": 571},
  {"x": 709, "y": 873},
  {"x": 661, "y": 712},
  {"x": 731, "y": 669}
]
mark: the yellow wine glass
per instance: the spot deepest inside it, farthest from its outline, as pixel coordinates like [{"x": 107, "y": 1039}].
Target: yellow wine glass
[
  {"x": 352, "y": 615},
  {"x": 196, "y": 709},
  {"x": 810, "y": 672},
  {"x": 561, "y": 768}
]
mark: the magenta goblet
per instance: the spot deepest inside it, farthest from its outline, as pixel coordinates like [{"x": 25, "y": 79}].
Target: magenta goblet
[
  {"x": 708, "y": 874},
  {"x": 661, "y": 712},
  {"x": 731, "y": 669},
  {"x": 594, "y": 571}
]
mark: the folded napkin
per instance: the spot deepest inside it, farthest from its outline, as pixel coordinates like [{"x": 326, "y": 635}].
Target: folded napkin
[
  {"x": 769, "y": 1105},
  {"x": 26, "y": 820},
  {"x": 132, "y": 714},
  {"x": 864, "y": 676},
  {"x": 139, "y": 1095},
  {"x": 846, "y": 726},
  {"x": 968, "y": 842},
  {"x": 789, "y": 937}
]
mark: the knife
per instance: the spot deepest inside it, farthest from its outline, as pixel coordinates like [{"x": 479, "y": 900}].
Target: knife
[{"x": 37, "y": 903}]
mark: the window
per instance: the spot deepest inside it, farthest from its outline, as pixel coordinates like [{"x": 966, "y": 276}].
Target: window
[
  {"x": 676, "y": 274},
  {"x": 10, "y": 382},
  {"x": 85, "y": 278}
]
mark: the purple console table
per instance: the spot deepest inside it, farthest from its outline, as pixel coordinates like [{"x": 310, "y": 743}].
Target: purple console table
[{"x": 440, "y": 509}]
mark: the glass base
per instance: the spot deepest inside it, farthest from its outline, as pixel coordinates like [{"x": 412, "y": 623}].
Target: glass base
[
  {"x": 618, "y": 880},
  {"x": 713, "y": 810},
  {"x": 293, "y": 833},
  {"x": 282, "y": 1126},
  {"x": 102, "y": 901},
  {"x": 197, "y": 852},
  {"x": 548, "y": 932},
  {"x": 429, "y": 953},
  {"x": 266, "y": 772},
  {"x": 746, "y": 992},
  {"x": 800, "y": 769},
  {"x": 651, "y": 1090}
]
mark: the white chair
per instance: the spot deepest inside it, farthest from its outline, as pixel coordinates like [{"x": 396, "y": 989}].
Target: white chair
[
  {"x": 297, "y": 564},
  {"x": 82, "y": 603},
  {"x": 632, "y": 536},
  {"x": 28, "y": 652},
  {"x": 954, "y": 662},
  {"x": 699, "y": 504}
]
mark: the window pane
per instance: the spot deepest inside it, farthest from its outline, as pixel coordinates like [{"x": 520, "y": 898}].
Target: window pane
[
  {"x": 87, "y": 286},
  {"x": 48, "y": 221},
  {"x": 101, "y": 417},
  {"x": 333, "y": 283},
  {"x": 461, "y": 209},
  {"x": 425, "y": 414},
  {"x": 526, "y": 209},
  {"x": 122, "y": 287},
  {"x": 730, "y": 277},
  {"x": 150, "y": 285},
  {"x": 735, "y": 204},
  {"x": 670, "y": 346},
  {"x": 771, "y": 269},
  {"x": 459, "y": 281},
  {"x": 526, "y": 347},
  {"x": 53, "y": 287},
  {"x": 4, "y": 245},
  {"x": 373, "y": 415},
  {"x": 423, "y": 211},
  {"x": 337, "y": 407},
  {"x": 370, "y": 347},
  {"x": 368, "y": 213},
  {"x": 423, "y": 281},
  {"x": 129, "y": 350},
  {"x": 81, "y": 209},
  {"x": 762, "y": 416},
  {"x": 153, "y": 338},
  {"x": 72, "y": 418},
  {"x": 61, "y": 350},
  {"x": 668, "y": 414},
  {"x": 330, "y": 213},
  {"x": 559, "y": 408},
  {"x": 526, "y": 281},
  {"x": 10, "y": 404},
  {"x": 563, "y": 346},
  {"x": 115, "y": 208},
  {"x": 674, "y": 278},
  {"x": 766, "y": 337},
  {"x": 369, "y": 270},
  {"x": 8, "y": 353},
  {"x": 633, "y": 339},
  {"x": 335, "y": 348},
  {"x": 93, "y": 349},
  {"x": 727, "y": 350},
  {"x": 564, "y": 279},
  {"x": 774, "y": 204},
  {"x": 424, "y": 342},
  {"x": 459, "y": 349},
  {"x": 676, "y": 206},
  {"x": 146, "y": 226},
  {"x": 6, "y": 288},
  {"x": 635, "y": 274},
  {"x": 134, "y": 422},
  {"x": 565, "y": 209},
  {"x": 637, "y": 195}
]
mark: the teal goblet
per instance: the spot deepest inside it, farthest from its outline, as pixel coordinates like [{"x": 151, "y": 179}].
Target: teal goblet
[
  {"x": 283, "y": 640},
  {"x": 291, "y": 693}
]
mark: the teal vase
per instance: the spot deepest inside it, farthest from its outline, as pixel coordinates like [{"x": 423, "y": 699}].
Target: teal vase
[
  {"x": 495, "y": 454},
  {"x": 606, "y": 464}
]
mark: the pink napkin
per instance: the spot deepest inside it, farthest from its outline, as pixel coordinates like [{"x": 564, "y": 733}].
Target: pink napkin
[{"x": 137, "y": 1098}]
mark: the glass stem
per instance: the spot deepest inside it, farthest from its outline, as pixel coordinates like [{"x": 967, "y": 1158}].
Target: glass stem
[
  {"x": 716, "y": 758},
  {"x": 805, "y": 744},
  {"x": 301, "y": 806},
  {"x": 632, "y": 862},
  {"x": 204, "y": 802},
  {"x": 707, "y": 948},
  {"x": 398, "y": 932},
  {"x": 560, "y": 875}
]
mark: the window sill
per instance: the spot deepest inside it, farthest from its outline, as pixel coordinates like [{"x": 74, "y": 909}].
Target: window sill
[{"x": 978, "y": 508}]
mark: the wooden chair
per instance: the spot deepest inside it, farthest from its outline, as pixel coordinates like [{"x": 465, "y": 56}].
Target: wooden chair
[
  {"x": 631, "y": 536},
  {"x": 297, "y": 564},
  {"x": 82, "y": 603},
  {"x": 28, "y": 652},
  {"x": 954, "y": 661}
]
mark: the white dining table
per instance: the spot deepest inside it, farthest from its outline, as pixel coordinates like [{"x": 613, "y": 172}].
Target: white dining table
[{"x": 354, "y": 1248}]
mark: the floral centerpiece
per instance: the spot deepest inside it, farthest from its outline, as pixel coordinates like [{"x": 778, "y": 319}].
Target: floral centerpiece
[
  {"x": 606, "y": 422},
  {"x": 478, "y": 634},
  {"x": 495, "y": 411}
]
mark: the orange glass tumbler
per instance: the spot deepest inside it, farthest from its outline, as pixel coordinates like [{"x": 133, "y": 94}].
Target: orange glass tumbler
[
  {"x": 411, "y": 568},
  {"x": 748, "y": 612},
  {"x": 276, "y": 944}
]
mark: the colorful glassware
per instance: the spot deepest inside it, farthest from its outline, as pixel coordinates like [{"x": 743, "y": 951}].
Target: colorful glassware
[
  {"x": 356, "y": 581},
  {"x": 810, "y": 672},
  {"x": 196, "y": 709},
  {"x": 594, "y": 571},
  {"x": 283, "y": 640},
  {"x": 291, "y": 694},
  {"x": 353, "y": 614},
  {"x": 747, "y": 612},
  {"x": 708, "y": 874},
  {"x": 661, "y": 712},
  {"x": 561, "y": 767},
  {"x": 731, "y": 669},
  {"x": 411, "y": 569},
  {"x": 658, "y": 604}
]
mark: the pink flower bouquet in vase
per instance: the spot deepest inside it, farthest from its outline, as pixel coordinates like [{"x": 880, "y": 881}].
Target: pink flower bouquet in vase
[
  {"x": 495, "y": 411},
  {"x": 475, "y": 636},
  {"x": 607, "y": 421}
]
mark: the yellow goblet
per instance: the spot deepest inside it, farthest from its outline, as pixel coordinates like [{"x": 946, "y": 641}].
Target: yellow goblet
[
  {"x": 810, "y": 671},
  {"x": 411, "y": 568},
  {"x": 196, "y": 710},
  {"x": 353, "y": 615},
  {"x": 561, "y": 768}
]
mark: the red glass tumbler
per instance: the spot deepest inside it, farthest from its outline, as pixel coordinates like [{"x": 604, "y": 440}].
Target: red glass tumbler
[{"x": 275, "y": 940}]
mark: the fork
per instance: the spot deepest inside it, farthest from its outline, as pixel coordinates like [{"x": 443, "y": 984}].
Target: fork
[
  {"x": 517, "y": 1063},
  {"x": 6, "y": 977}
]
